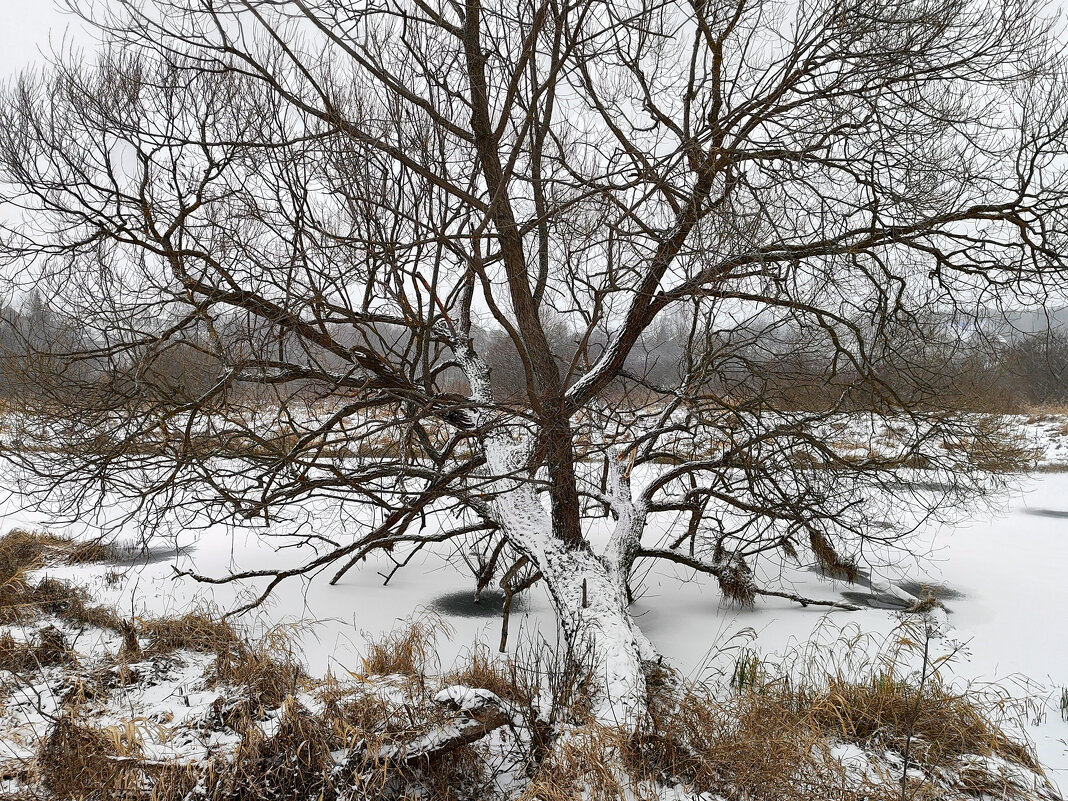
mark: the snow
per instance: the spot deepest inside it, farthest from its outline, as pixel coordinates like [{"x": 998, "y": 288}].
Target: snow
[
  {"x": 468, "y": 699},
  {"x": 1010, "y": 573},
  {"x": 1008, "y": 570}
]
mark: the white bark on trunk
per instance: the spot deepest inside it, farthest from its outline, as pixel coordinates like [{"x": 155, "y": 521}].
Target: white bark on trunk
[{"x": 589, "y": 593}]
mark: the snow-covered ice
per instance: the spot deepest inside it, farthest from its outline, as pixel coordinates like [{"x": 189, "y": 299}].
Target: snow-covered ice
[{"x": 1004, "y": 575}]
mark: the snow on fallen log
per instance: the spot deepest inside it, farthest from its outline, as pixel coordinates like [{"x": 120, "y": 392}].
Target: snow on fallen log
[{"x": 479, "y": 712}]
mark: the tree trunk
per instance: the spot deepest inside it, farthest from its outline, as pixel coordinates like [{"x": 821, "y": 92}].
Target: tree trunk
[
  {"x": 589, "y": 594},
  {"x": 591, "y": 605}
]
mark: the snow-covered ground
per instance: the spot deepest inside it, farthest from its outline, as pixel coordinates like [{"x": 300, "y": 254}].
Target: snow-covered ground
[{"x": 1003, "y": 577}]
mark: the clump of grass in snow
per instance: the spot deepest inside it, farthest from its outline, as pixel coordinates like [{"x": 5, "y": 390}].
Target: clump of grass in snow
[
  {"x": 886, "y": 709},
  {"x": 67, "y": 601},
  {"x": 47, "y": 648},
  {"x": 485, "y": 671},
  {"x": 199, "y": 630},
  {"x": 78, "y": 760},
  {"x": 21, "y": 550},
  {"x": 294, "y": 762},
  {"x": 407, "y": 651},
  {"x": 266, "y": 671}
]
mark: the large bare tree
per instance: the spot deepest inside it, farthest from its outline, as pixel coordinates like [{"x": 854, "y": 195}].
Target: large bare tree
[{"x": 281, "y": 236}]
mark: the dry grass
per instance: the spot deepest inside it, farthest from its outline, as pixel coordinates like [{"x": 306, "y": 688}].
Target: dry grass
[
  {"x": 200, "y": 630},
  {"x": 68, "y": 601},
  {"x": 267, "y": 672},
  {"x": 48, "y": 648},
  {"x": 21, "y": 549},
  {"x": 772, "y": 735},
  {"x": 22, "y": 552},
  {"x": 485, "y": 670},
  {"x": 762, "y": 737},
  {"x": 78, "y": 761},
  {"x": 1045, "y": 411},
  {"x": 407, "y": 651},
  {"x": 884, "y": 711},
  {"x": 295, "y": 762},
  {"x": 758, "y": 750}
]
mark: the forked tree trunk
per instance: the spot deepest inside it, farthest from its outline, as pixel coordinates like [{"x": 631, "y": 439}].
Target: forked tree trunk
[
  {"x": 590, "y": 598},
  {"x": 591, "y": 605},
  {"x": 589, "y": 593}
]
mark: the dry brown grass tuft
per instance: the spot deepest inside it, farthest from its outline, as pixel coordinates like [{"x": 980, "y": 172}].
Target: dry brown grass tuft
[
  {"x": 19, "y": 554},
  {"x": 295, "y": 762},
  {"x": 20, "y": 549},
  {"x": 78, "y": 761},
  {"x": 885, "y": 711},
  {"x": 267, "y": 671},
  {"x": 752, "y": 740},
  {"x": 407, "y": 651},
  {"x": 48, "y": 647},
  {"x": 201, "y": 630},
  {"x": 829, "y": 560},
  {"x": 352, "y": 715},
  {"x": 130, "y": 650},
  {"x": 486, "y": 671},
  {"x": 457, "y": 775},
  {"x": 737, "y": 587},
  {"x": 177, "y": 780},
  {"x": 68, "y": 601}
]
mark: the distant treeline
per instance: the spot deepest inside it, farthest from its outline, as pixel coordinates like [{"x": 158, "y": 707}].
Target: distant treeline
[{"x": 774, "y": 365}]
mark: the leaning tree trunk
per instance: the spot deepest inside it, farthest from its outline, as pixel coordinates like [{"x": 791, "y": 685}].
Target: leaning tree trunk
[
  {"x": 591, "y": 605},
  {"x": 589, "y": 594}
]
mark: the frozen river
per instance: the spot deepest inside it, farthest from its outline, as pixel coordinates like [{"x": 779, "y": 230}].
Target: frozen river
[{"x": 1005, "y": 580}]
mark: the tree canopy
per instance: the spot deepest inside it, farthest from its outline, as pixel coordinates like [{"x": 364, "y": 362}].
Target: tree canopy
[{"x": 327, "y": 205}]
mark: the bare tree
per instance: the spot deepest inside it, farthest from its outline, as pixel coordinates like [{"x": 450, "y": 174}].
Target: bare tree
[{"x": 328, "y": 200}]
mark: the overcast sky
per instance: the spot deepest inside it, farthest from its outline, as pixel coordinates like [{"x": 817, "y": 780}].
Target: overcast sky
[{"x": 25, "y": 26}]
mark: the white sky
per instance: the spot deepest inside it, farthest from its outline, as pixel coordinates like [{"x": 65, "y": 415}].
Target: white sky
[{"x": 26, "y": 29}]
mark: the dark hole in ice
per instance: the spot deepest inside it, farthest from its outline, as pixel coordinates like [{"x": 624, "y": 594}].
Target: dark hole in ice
[
  {"x": 926, "y": 589},
  {"x": 462, "y": 604},
  {"x": 1057, "y": 513},
  {"x": 135, "y": 554}
]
